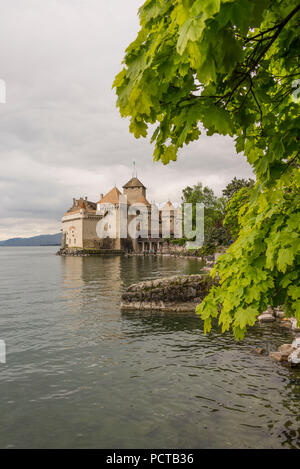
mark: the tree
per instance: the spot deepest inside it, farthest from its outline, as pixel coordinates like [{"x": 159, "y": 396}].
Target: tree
[
  {"x": 235, "y": 185},
  {"x": 214, "y": 211},
  {"x": 214, "y": 208},
  {"x": 229, "y": 67}
]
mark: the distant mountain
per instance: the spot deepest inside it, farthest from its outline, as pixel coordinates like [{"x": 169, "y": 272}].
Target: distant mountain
[{"x": 42, "y": 240}]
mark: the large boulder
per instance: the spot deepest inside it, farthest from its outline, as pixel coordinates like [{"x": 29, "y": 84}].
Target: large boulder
[
  {"x": 288, "y": 353},
  {"x": 296, "y": 342},
  {"x": 294, "y": 358},
  {"x": 267, "y": 316},
  {"x": 294, "y": 324},
  {"x": 286, "y": 350},
  {"x": 278, "y": 356}
]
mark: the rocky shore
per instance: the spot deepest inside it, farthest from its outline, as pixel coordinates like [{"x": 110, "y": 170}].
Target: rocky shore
[
  {"x": 208, "y": 261},
  {"x": 177, "y": 293},
  {"x": 289, "y": 353},
  {"x": 183, "y": 293}
]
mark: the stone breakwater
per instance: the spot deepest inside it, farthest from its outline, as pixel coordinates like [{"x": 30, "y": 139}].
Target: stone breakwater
[
  {"x": 86, "y": 252},
  {"x": 177, "y": 293}
]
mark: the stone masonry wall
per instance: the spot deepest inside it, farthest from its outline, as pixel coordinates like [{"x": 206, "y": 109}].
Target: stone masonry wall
[{"x": 177, "y": 293}]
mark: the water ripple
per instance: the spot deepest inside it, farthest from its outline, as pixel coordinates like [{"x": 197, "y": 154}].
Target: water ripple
[{"x": 81, "y": 374}]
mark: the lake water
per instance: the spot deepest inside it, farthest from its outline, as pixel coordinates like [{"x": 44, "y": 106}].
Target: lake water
[{"x": 80, "y": 374}]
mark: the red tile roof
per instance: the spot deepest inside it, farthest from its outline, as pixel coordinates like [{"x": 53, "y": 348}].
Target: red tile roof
[{"x": 112, "y": 197}]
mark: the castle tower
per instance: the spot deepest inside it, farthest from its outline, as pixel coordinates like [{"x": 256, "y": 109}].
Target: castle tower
[{"x": 134, "y": 190}]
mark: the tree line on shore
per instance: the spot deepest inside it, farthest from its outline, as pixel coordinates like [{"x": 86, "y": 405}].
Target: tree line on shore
[{"x": 222, "y": 215}]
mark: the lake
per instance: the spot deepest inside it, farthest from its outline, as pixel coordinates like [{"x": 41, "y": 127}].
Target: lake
[{"x": 82, "y": 374}]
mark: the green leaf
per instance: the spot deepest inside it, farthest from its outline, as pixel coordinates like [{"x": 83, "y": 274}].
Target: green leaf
[
  {"x": 191, "y": 30},
  {"x": 285, "y": 258}
]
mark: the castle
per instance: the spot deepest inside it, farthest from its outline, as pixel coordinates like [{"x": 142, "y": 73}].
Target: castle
[{"x": 80, "y": 224}]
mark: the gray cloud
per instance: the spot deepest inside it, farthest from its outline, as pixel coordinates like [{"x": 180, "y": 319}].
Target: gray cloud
[{"x": 60, "y": 132}]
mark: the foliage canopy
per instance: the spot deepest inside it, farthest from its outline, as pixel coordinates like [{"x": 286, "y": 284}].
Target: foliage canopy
[
  {"x": 229, "y": 67},
  {"x": 235, "y": 208}
]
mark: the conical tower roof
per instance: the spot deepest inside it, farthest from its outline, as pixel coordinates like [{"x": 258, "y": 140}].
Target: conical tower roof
[
  {"x": 134, "y": 182},
  {"x": 168, "y": 206},
  {"x": 112, "y": 197}
]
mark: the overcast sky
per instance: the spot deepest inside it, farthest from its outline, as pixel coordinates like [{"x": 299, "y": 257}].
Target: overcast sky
[{"x": 60, "y": 133}]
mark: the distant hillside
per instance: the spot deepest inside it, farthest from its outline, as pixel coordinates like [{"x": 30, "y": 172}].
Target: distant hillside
[{"x": 42, "y": 240}]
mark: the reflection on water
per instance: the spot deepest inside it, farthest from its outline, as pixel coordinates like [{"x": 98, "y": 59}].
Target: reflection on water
[{"x": 81, "y": 374}]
